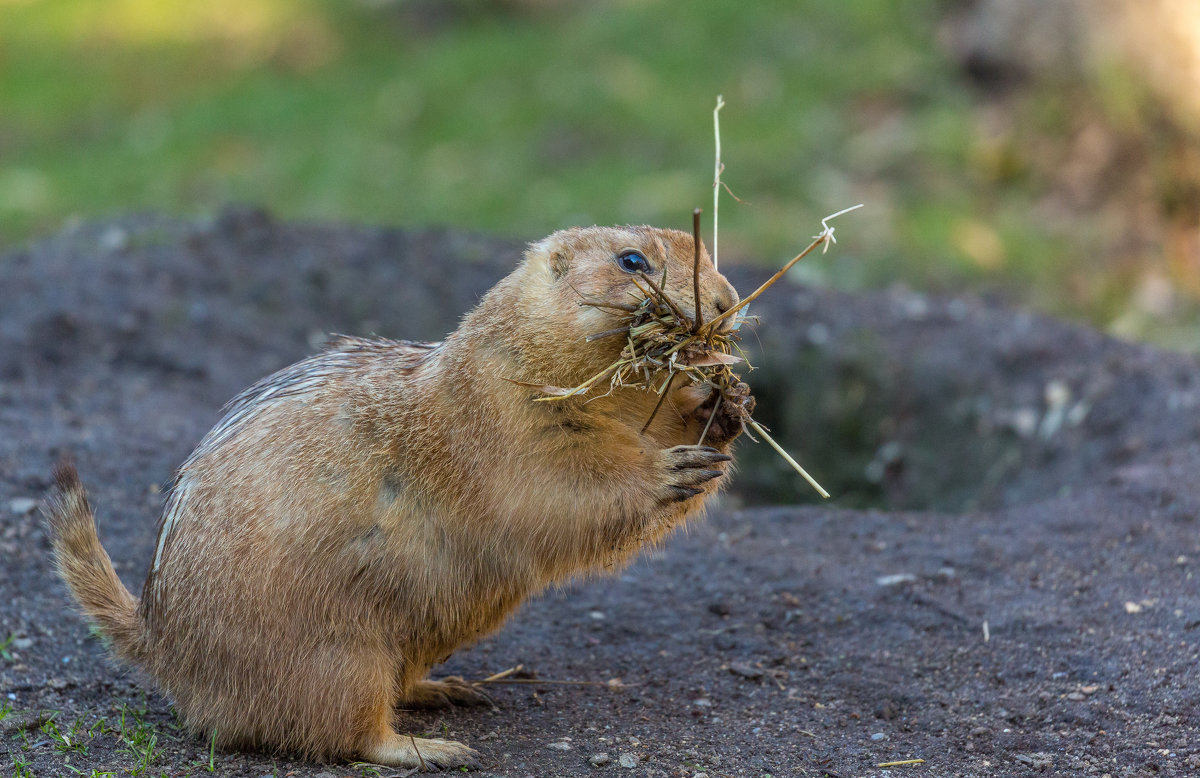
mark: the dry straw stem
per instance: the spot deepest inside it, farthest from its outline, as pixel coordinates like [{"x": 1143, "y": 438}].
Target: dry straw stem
[
  {"x": 717, "y": 168},
  {"x": 718, "y": 184},
  {"x": 503, "y": 677},
  {"x": 787, "y": 458},
  {"x": 424, "y": 767},
  {"x": 500, "y": 675},
  {"x": 824, "y": 238},
  {"x": 552, "y": 682},
  {"x": 901, "y": 763}
]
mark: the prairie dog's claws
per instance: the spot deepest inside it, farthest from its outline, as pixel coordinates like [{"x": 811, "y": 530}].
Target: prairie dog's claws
[
  {"x": 682, "y": 493},
  {"x": 689, "y": 468}
]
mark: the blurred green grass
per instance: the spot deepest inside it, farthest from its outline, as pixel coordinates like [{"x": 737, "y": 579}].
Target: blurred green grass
[{"x": 522, "y": 117}]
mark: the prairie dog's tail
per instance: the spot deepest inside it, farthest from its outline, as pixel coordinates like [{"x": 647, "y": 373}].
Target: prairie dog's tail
[{"x": 84, "y": 565}]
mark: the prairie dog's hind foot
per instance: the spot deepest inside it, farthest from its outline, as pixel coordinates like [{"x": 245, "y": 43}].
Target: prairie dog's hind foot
[
  {"x": 398, "y": 750},
  {"x": 447, "y": 692}
]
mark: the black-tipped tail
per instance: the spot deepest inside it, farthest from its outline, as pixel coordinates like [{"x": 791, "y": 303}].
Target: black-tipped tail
[{"x": 84, "y": 565}]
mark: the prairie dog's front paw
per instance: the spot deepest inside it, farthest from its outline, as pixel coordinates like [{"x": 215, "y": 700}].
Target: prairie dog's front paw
[
  {"x": 731, "y": 411},
  {"x": 687, "y": 469}
]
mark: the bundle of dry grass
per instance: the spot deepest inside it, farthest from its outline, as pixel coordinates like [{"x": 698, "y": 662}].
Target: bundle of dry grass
[{"x": 662, "y": 344}]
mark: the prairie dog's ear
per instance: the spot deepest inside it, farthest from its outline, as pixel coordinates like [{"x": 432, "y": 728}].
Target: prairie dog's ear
[
  {"x": 559, "y": 263},
  {"x": 553, "y": 254}
]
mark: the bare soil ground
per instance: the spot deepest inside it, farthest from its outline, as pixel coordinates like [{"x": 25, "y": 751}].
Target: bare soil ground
[{"x": 1008, "y": 584}]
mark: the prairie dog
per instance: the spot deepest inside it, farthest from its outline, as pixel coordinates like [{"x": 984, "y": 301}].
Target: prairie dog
[{"x": 356, "y": 517}]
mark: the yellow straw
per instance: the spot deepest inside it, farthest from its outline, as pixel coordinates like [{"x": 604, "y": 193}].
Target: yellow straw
[{"x": 758, "y": 428}]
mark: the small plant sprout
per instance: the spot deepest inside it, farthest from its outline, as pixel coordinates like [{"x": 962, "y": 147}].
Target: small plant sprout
[
  {"x": 20, "y": 765},
  {"x": 5, "y": 654},
  {"x": 212, "y": 752}
]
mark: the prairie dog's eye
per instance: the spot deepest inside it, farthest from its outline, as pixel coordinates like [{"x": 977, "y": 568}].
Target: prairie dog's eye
[{"x": 633, "y": 262}]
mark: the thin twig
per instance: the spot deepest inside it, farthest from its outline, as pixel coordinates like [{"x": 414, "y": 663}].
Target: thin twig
[
  {"x": 901, "y": 762},
  {"x": 614, "y": 306},
  {"x": 729, "y": 191},
  {"x": 711, "y": 416},
  {"x": 502, "y": 674},
  {"x": 767, "y": 284},
  {"x": 539, "y": 681},
  {"x": 661, "y": 396},
  {"x": 699, "y": 322},
  {"x": 671, "y": 303},
  {"x": 824, "y": 238},
  {"x": 827, "y": 233},
  {"x": 424, "y": 767},
  {"x": 717, "y": 168},
  {"x": 771, "y": 441},
  {"x": 585, "y": 300}
]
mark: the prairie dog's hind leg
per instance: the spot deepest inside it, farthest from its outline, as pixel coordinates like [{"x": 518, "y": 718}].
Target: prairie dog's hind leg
[
  {"x": 399, "y": 750},
  {"x": 445, "y": 693}
]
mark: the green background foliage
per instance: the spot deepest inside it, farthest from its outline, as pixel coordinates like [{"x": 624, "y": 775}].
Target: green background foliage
[{"x": 522, "y": 117}]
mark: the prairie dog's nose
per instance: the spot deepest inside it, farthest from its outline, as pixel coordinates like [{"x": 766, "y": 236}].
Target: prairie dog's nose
[{"x": 725, "y": 298}]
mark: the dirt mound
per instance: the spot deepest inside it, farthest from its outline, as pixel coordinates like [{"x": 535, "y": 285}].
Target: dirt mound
[{"x": 1005, "y": 584}]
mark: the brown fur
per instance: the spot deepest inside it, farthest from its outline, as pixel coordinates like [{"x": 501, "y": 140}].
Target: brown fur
[{"x": 358, "y": 516}]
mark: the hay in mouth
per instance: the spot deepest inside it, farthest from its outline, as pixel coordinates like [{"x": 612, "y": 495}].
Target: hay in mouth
[{"x": 663, "y": 344}]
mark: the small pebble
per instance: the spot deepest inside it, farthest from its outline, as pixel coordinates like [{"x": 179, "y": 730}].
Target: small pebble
[
  {"x": 22, "y": 505},
  {"x": 1025, "y": 421},
  {"x": 719, "y": 608},
  {"x": 560, "y": 746},
  {"x": 599, "y": 760},
  {"x": 879, "y": 736},
  {"x": 599, "y": 615},
  {"x": 818, "y": 334},
  {"x": 114, "y": 239},
  {"x": 916, "y": 307},
  {"x": 895, "y": 580},
  {"x": 628, "y": 760},
  {"x": 1076, "y": 696},
  {"x": 745, "y": 670}
]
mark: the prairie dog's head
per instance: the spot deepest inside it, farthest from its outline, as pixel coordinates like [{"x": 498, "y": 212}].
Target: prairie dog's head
[
  {"x": 544, "y": 327},
  {"x": 602, "y": 263}
]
